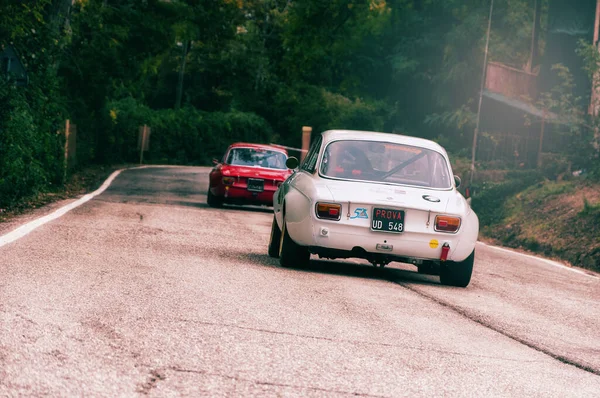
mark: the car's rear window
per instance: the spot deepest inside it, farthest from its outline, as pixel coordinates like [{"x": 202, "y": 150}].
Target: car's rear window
[
  {"x": 385, "y": 162},
  {"x": 256, "y": 157}
]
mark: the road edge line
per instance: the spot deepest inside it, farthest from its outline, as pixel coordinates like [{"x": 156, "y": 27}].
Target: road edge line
[
  {"x": 553, "y": 263},
  {"x": 31, "y": 226}
]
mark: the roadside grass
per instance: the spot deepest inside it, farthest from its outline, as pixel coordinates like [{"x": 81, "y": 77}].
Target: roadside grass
[
  {"x": 557, "y": 219},
  {"x": 490, "y": 198}
]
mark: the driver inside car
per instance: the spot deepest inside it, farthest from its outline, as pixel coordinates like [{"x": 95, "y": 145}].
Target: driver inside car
[{"x": 346, "y": 159}]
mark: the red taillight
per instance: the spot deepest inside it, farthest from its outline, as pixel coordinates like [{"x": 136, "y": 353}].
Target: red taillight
[
  {"x": 329, "y": 211},
  {"x": 228, "y": 180},
  {"x": 447, "y": 223}
]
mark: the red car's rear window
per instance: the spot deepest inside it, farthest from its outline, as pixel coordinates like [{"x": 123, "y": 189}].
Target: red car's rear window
[{"x": 256, "y": 157}]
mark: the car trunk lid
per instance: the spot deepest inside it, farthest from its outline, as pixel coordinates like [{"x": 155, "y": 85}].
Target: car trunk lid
[{"x": 420, "y": 206}]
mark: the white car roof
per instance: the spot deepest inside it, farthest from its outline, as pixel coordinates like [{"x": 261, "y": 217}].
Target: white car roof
[{"x": 333, "y": 135}]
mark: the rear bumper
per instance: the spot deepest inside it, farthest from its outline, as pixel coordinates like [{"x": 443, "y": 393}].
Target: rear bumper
[
  {"x": 240, "y": 195},
  {"x": 346, "y": 241}
]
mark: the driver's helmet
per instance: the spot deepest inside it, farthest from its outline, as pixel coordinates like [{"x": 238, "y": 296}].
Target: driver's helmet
[{"x": 346, "y": 158}]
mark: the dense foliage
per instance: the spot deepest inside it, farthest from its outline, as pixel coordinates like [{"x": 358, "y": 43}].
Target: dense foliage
[
  {"x": 204, "y": 73},
  {"x": 30, "y": 148}
]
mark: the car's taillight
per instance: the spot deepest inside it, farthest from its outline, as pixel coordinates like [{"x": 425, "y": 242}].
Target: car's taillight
[
  {"x": 447, "y": 223},
  {"x": 228, "y": 180},
  {"x": 329, "y": 211}
]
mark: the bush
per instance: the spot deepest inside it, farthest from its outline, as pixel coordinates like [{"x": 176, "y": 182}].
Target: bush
[
  {"x": 306, "y": 105},
  {"x": 30, "y": 150},
  {"x": 186, "y": 136},
  {"x": 189, "y": 136},
  {"x": 121, "y": 121},
  {"x": 344, "y": 113},
  {"x": 554, "y": 165}
]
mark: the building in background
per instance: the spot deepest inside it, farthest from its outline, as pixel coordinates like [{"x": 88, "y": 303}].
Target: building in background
[{"x": 513, "y": 125}]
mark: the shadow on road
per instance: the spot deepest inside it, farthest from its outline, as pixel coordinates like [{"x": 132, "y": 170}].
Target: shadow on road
[
  {"x": 256, "y": 209},
  {"x": 353, "y": 270},
  {"x": 186, "y": 186},
  {"x": 199, "y": 204}
]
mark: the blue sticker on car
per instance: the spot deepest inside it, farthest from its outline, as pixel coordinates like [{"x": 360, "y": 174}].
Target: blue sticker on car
[{"x": 360, "y": 212}]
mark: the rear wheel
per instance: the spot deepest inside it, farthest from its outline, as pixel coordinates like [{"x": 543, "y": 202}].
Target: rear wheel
[
  {"x": 212, "y": 200},
  {"x": 292, "y": 254},
  {"x": 275, "y": 240},
  {"x": 457, "y": 273}
]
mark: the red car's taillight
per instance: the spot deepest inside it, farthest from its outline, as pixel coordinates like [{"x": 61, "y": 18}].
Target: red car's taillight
[
  {"x": 447, "y": 224},
  {"x": 228, "y": 180},
  {"x": 329, "y": 211}
]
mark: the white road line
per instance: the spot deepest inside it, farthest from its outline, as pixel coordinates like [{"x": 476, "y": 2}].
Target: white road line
[
  {"x": 544, "y": 260},
  {"x": 25, "y": 229}
]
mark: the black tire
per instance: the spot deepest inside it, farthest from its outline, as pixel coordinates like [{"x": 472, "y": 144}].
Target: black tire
[
  {"x": 457, "y": 273},
  {"x": 292, "y": 254},
  {"x": 275, "y": 239},
  {"x": 212, "y": 200}
]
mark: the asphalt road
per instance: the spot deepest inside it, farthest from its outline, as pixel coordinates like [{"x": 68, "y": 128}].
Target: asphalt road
[{"x": 144, "y": 290}]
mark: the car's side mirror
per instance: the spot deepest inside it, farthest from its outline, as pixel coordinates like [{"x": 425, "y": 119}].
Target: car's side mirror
[
  {"x": 457, "y": 181},
  {"x": 215, "y": 161},
  {"x": 292, "y": 163}
]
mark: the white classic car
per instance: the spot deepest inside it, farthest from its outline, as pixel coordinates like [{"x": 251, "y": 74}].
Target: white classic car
[{"x": 376, "y": 196}]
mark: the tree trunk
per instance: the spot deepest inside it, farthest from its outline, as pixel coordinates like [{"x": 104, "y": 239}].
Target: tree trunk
[
  {"x": 535, "y": 34},
  {"x": 179, "y": 93}
]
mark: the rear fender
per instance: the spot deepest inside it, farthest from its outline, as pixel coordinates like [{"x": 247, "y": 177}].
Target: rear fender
[
  {"x": 297, "y": 215},
  {"x": 468, "y": 238}
]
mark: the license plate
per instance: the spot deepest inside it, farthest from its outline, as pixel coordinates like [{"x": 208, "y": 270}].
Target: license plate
[
  {"x": 387, "y": 220},
  {"x": 256, "y": 185}
]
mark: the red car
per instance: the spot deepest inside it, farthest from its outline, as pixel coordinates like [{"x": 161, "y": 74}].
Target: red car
[{"x": 247, "y": 174}]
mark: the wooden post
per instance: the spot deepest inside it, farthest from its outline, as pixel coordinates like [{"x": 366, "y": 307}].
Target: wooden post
[
  {"x": 142, "y": 146},
  {"x": 143, "y": 139},
  {"x": 306, "y": 131}
]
